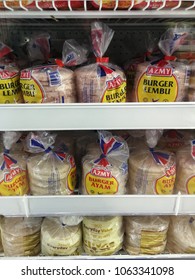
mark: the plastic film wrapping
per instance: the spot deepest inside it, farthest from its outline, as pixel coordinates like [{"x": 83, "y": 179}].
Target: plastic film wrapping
[
  {"x": 185, "y": 174},
  {"x": 21, "y": 236},
  {"x": 50, "y": 172},
  {"x": 181, "y": 235},
  {"x": 163, "y": 80},
  {"x": 151, "y": 172},
  {"x": 13, "y": 169},
  {"x": 101, "y": 81},
  {"x": 145, "y": 235},
  {"x": 59, "y": 238},
  {"x": 105, "y": 171},
  {"x": 102, "y": 236}
]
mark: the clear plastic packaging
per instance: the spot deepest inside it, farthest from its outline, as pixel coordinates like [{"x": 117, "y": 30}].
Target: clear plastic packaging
[
  {"x": 145, "y": 235},
  {"x": 185, "y": 174},
  {"x": 13, "y": 169},
  {"x": 50, "y": 172},
  {"x": 181, "y": 235},
  {"x": 151, "y": 170},
  {"x": 102, "y": 236},
  {"x": 105, "y": 171},
  {"x": 10, "y": 91},
  {"x": 21, "y": 236},
  {"x": 163, "y": 80},
  {"x": 61, "y": 236},
  {"x": 101, "y": 81}
]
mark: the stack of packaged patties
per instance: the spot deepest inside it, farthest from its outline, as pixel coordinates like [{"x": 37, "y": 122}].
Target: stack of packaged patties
[
  {"x": 104, "y": 171},
  {"x": 101, "y": 81},
  {"x": 50, "y": 171},
  {"x": 164, "y": 80}
]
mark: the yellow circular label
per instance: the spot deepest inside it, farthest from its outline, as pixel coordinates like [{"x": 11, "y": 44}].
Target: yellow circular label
[
  {"x": 190, "y": 185},
  {"x": 14, "y": 183},
  {"x": 10, "y": 90},
  {"x": 72, "y": 179},
  {"x": 165, "y": 185},
  {"x": 157, "y": 88},
  {"x": 32, "y": 91},
  {"x": 100, "y": 185},
  {"x": 116, "y": 90}
]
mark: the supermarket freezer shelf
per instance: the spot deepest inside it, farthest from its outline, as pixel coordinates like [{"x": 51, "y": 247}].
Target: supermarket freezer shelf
[
  {"x": 97, "y": 205},
  {"x": 92, "y": 116}
]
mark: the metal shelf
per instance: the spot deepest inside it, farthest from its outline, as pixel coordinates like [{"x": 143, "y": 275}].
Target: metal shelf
[
  {"x": 85, "y": 116},
  {"x": 21, "y": 11},
  {"x": 97, "y": 205}
]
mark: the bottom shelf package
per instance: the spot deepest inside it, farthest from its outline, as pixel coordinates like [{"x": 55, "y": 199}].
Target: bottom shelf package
[{"x": 97, "y": 236}]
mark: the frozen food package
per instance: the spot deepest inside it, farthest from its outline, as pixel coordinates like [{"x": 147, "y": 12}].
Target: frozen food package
[
  {"x": 152, "y": 53},
  {"x": 50, "y": 172},
  {"x": 145, "y": 234},
  {"x": 13, "y": 169},
  {"x": 21, "y": 236},
  {"x": 59, "y": 238},
  {"x": 181, "y": 235},
  {"x": 1, "y": 246},
  {"x": 44, "y": 4},
  {"x": 185, "y": 173},
  {"x": 10, "y": 91},
  {"x": 163, "y": 80},
  {"x": 48, "y": 84},
  {"x": 52, "y": 83},
  {"x": 102, "y": 236},
  {"x": 151, "y": 170},
  {"x": 105, "y": 171},
  {"x": 101, "y": 81}
]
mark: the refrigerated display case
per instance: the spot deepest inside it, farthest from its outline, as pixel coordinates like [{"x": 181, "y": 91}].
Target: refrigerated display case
[{"x": 130, "y": 26}]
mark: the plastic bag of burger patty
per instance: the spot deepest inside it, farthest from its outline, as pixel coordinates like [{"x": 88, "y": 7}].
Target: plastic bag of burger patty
[
  {"x": 13, "y": 170},
  {"x": 105, "y": 169},
  {"x": 185, "y": 173},
  {"x": 21, "y": 236},
  {"x": 44, "y": 4},
  {"x": 50, "y": 172},
  {"x": 101, "y": 81},
  {"x": 53, "y": 83},
  {"x": 61, "y": 236},
  {"x": 163, "y": 80},
  {"x": 152, "y": 53},
  {"x": 181, "y": 226},
  {"x": 151, "y": 170},
  {"x": 102, "y": 236},
  {"x": 145, "y": 235},
  {"x": 10, "y": 91}
]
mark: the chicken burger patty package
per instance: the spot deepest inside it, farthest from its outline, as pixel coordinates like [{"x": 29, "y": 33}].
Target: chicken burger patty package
[
  {"x": 145, "y": 235},
  {"x": 185, "y": 175},
  {"x": 21, "y": 236},
  {"x": 102, "y": 236},
  {"x": 13, "y": 169},
  {"x": 10, "y": 91},
  {"x": 151, "y": 170},
  {"x": 50, "y": 172},
  {"x": 105, "y": 170},
  {"x": 61, "y": 236},
  {"x": 164, "y": 80},
  {"x": 101, "y": 81}
]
